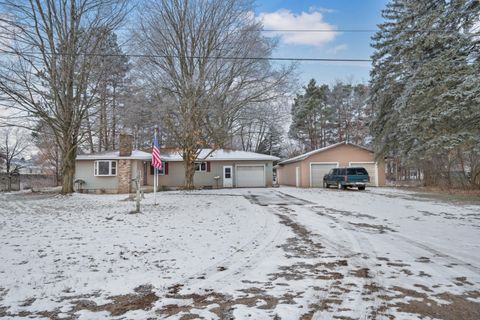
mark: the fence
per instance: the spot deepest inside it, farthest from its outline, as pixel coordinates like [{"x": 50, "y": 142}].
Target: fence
[
  {"x": 26, "y": 181},
  {"x": 9, "y": 182}
]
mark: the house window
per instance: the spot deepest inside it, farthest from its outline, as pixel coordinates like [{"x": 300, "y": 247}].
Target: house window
[
  {"x": 200, "y": 166},
  {"x": 161, "y": 172},
  {"x": 105, "y": 168}
]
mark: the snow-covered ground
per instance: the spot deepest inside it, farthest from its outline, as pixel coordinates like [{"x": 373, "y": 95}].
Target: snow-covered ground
[{"x": 283, "y": 253}]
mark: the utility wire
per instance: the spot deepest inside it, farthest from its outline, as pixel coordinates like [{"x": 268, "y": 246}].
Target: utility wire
[
  {"x": 312, "y": 30},
  {"x": 32, "y": 53}
]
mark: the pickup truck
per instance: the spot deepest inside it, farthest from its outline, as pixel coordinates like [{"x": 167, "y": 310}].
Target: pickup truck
[{"x": 347, "y": 177}]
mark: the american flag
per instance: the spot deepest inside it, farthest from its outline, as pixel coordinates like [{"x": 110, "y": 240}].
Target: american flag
[{"x": 156, "y": 161}]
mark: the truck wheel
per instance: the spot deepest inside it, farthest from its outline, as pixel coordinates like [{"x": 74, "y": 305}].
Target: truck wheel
[
  {"x": 361, "y": 188},
  {"x": 344, "y": 187},
  {"x": 325, "y": 185}
]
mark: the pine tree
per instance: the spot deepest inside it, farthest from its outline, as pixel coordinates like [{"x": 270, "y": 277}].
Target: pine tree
[
  {"x": 309, "y": 114},
  {"x": 424, "y": 88}
]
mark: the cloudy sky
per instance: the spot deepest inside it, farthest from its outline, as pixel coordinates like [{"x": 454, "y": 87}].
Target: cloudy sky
[{"x": 324, "y": 15}]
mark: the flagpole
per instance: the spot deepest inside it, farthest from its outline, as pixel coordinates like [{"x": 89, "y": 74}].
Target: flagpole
[
  {"x": 155, "y": 173},
  {"x": 155, "y": 186}
]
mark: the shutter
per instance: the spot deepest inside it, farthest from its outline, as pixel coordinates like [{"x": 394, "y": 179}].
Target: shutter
[
  {"x": 166, "y": 168},
  {"x": 152, "y": 169},
  {"x": 208, "y": 166}
]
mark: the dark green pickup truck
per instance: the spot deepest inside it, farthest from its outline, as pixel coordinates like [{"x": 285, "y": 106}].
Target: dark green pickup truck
[{"x": 347, "y": 177}]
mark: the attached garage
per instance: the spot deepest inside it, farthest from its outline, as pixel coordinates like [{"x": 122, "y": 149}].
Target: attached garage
[
  {"x": 372, "y": 170},
  {"x": 308, "y": 169},
  {"x": 318, "y": 170},
  {"x": 250, "y": 176}
]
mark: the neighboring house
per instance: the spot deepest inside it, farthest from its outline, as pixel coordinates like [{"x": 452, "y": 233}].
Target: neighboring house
[
  {"x": 27, "y": 166},
  {"x": 307, "y": 170},
  {"x": 113, "y": 171}
]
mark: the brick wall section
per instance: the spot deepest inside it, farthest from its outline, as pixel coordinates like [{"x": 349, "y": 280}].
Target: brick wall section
[
  {"x": 124, "y": 176},
  {"x": 126, "y": 145}
]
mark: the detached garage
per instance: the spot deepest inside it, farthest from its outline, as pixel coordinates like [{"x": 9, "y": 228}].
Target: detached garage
[{"x": 308, "y": 169}]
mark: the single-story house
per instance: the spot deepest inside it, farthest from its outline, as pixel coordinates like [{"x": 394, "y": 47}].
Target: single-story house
[
  {"x": 308, "y": 169},
  {"x": 113, "y": 171}
]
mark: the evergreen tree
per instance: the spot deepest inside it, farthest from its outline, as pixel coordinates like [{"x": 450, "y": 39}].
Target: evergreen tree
[
  {"x": 424, "y": 84},
  {"x": 310, "y": 113},
  {"x": 323, "y": 116}
]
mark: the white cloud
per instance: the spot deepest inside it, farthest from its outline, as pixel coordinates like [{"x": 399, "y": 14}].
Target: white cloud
[
  {"x": 286, "y": 20},
  {"x": 337, "y": 49},
  {"x": 321, "y": 9}
]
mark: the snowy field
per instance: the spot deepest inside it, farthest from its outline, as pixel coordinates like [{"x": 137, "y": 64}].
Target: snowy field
[{"x": 281, "y": 253}]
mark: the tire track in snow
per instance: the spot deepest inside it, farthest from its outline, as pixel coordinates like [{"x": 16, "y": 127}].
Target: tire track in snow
[
  {"x": 293, "y": 206},
  {"x": 410, "y": 248},
  {"x": 354, "y": 250},
  {"x": 243, "y": 259}
]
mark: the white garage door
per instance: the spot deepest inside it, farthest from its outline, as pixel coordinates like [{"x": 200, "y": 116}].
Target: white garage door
[
  {"x": 318, "y": 170},
  {"x": 250, "y": 176},
  {"x": 371, "y": 169}
]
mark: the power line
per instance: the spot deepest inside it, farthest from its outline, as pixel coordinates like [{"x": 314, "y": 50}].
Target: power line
[
  {"x": 194, "y": 57},
  {"x": 319, "y": 30},
  {"x": 311, "y": 30}
]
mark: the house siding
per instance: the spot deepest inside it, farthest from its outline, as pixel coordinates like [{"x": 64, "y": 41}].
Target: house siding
[
  {"x": 85, "y": 170},
  {"x": 176, "y": 174},
  {"x": 343, "y": 154},
  {"x": 287, "y": 174},
  {"x": 174, "y": 179}
]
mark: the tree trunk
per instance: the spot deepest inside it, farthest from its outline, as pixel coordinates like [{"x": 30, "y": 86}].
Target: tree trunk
[
  {"x": 89, "y": 132},
  {"x": 68, "y": 166},
  {"x": 57, "y": 165},
  {"x": 102, "y": 138},
  {"x": 114, "y": 118},
  {"x": 189, "y": 157}
]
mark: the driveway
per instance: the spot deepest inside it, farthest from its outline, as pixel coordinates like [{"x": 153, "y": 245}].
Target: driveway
[
  {"x": 404, "y": 254},
  {"x": 283, "y": 253}
]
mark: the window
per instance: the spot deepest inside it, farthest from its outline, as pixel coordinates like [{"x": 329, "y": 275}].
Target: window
[
  {"x": 105, "y": 168},
  {"x": 228, "y": 173},
  {"x": 200, "y": 166},
  {"x": 351, "y": 171},
  {"x": 161, "y": 172},
  {"x": 362, "y": 171},
  {"x": 356, "y": 171}
]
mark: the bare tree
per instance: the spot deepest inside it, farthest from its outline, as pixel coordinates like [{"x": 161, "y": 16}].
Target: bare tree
[
  {"x": 13, "y": 144},
  {"x": 110, "y": 71},
  {"x": 48, "y": 151},
  {"x": 200, "y": 63},
  {"x": 52, "y": 47},
  {"x": 259, "y": 127}
]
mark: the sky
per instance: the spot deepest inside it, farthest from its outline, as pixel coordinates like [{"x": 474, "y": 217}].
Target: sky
[{"x": 323, "y": 14}]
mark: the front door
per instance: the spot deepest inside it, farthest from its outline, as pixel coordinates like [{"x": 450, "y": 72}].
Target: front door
[
  {"x": 227, "y": 176},
  {"x": 146, "y": 170}
]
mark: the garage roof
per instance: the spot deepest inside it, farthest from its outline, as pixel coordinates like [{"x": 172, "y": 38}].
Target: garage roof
[{"x": 308, "y": 154}]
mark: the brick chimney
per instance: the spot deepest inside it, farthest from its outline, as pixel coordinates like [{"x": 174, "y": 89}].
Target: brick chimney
[
  {"x": 125, "y": 165},
  {"x": 126, "y": 144}
]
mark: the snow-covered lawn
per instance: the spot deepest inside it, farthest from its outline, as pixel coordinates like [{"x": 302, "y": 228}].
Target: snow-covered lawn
[{"x": 282, "y": 253}]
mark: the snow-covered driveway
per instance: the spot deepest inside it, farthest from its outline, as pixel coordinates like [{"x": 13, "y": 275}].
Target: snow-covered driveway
[{"x": 282, "y": 253}]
